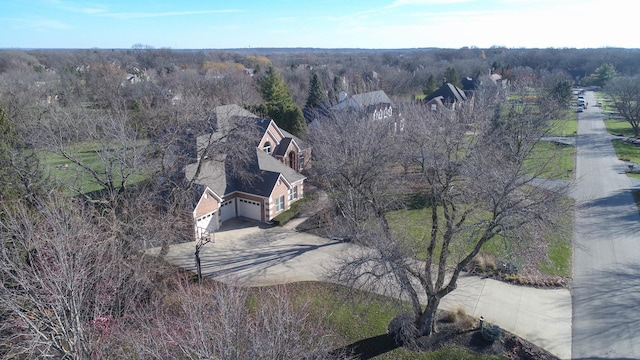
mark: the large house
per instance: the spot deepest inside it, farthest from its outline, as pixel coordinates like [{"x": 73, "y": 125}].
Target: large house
[
  {"x": 273, "y": 182},
  {"x": 374, "y": 105}
]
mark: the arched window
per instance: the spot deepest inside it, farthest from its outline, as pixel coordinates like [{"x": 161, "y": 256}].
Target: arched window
[
  {"x": 293, "y": 161},
  {"x": 267, "y": 147}
]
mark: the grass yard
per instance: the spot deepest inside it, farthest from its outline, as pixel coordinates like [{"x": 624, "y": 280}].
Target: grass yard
[
  {"x": 71, "y": 177},
  {"x": 624, "y": 150},
  {"x": 558, "y": 160},
  {"x": 619, "y": 127},
  {"x": 416, "y": 224},
  {"x": 607, "y": 103},
  {"x": 568, "y": 126},
  {"x": 363, "y": 317}
]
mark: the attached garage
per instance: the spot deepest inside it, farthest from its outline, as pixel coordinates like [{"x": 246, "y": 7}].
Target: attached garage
[
  {"x": 227, "y": 210},
  {"x": 250, "y": 209}
]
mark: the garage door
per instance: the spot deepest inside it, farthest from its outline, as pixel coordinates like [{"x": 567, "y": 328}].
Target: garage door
[
  {"x": 250, "y": 209},
  {"x": 227, "y": 210}
]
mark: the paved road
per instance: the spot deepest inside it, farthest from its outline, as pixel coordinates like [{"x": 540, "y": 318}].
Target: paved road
[{"x": 606, "y": 285}]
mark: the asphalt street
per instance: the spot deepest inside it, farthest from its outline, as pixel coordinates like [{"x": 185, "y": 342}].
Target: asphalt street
[{"x": 606, "y": 270}]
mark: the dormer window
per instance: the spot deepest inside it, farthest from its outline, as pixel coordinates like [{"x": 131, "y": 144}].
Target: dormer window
[{"x": 267, "y": 147}]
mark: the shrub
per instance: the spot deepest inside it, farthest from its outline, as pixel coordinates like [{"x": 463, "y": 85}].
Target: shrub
[
  {"x": 403, "y": 330},
  {"x": 450, "y": 317},
  {"x": 454, "y": 316},
  {"x": 286, "y": 216},
  {"x": 491, "y": 332},
  {"x": 482, "y": 263}
]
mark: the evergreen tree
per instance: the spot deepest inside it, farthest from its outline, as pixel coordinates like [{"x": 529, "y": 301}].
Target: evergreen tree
[
  {"x": 451, "y": 76},
  {"x": 431, "y": 86},
  {"x": 316, "y": 94},
  {"x": 562, "y": 91},
  {"x": 279, "y": 104},
  {"x": 603, "y": 74}
]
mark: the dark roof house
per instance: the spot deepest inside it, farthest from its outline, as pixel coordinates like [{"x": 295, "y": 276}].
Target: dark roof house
[{"x": 269, "y": 181}]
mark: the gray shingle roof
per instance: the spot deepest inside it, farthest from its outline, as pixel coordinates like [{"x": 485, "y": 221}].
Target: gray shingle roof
[
  {"x": 212, "y": 174},
  {"x": 266, "y": 168},
  {"x": 266, "y": 162},
  {"x": 449, "y": 92},
  {"x": 225, "y": 114},
  {"x": 360, "y": 102}
]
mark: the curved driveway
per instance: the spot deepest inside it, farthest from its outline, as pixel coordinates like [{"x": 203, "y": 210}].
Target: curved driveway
[{"x": 606, "y": 283}]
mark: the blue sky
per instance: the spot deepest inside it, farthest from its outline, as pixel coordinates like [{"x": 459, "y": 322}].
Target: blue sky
[{"x": 197, "y": 24}]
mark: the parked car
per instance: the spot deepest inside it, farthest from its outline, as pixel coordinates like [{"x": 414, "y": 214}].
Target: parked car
[{"x": 580, "y": 109}]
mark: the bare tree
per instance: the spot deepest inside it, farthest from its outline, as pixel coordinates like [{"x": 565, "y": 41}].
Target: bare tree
[
  {"x": 62, "y": 273},
  {"x": 218, "y": 321},
  {"x": 625, "y": 92},
  {"x": 473, "y": 170},
  {"x": 103, "y": 150}
]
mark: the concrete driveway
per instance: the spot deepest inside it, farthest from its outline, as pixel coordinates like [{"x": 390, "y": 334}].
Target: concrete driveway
[{"x": 248, "y": 253}]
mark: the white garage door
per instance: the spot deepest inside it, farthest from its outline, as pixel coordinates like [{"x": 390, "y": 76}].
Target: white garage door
[
  {"x": 250, "y": 209},
  {"x": 227, "y": 210}
]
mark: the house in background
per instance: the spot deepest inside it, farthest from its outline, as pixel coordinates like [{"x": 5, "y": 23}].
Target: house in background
[
  {"x": 375, "y": 105},
  {"x": 271, "y": 180},
  {"x": 447, "y": 96}
]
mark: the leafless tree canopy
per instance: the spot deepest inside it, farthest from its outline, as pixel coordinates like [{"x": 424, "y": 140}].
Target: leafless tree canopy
[
  {"x": 472, "y": 169},
  {"x": 625, "y": 92}
]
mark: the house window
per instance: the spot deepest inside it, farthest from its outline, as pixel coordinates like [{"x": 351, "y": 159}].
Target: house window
[
  {"x": 301, "y": 161},
  {"x": 434, "y": 107},
  {"x": 267, "y": 147},
  {"x": 292, "y": 160},
  {"x": 280, "y": 203},
  {"x": 293, "y": 193}
]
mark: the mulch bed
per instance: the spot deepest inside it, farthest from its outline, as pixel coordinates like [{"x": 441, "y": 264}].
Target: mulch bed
[{"x": 509, "y": 345}]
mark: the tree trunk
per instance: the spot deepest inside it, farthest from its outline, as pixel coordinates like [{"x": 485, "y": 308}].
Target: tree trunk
[
  {"x": 427, "y": 321},
  {"x": 198, "y": 264}
]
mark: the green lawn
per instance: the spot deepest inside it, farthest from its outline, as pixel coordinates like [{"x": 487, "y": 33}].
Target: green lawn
[
  {"x": 558, "y": 160},
  {"x": 416, "y": 224},
  {"x": 607, "y": 103},
  {"x": 619, "y": 127},
  {"x": 626, "y": 151},
  {"x": 356, "y": 316},
  {"x": 70, "y": 176},
  {"x": 568, "y": 126}
]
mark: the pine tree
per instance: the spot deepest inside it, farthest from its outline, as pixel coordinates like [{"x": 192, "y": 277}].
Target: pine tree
[
  {"x": 316, "y": 94},
  {"x": 279, "y": 104},
  {"x": 603, "y": 74},
  {"x": 431, "y": 86},
  {"x": 452, "y": 77}
]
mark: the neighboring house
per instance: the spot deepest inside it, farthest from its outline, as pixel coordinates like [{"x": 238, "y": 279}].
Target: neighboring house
[
  {"x": 273, "y": 183},
  {"x": 447, "y": 96},
  {"x": 374, "y": 105}
]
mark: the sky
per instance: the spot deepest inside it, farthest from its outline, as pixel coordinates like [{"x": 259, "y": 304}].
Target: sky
[{"x": 370, "y": 24}]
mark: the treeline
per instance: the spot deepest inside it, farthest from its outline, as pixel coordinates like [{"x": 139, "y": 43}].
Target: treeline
[{"x": 400, "y": 73}]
